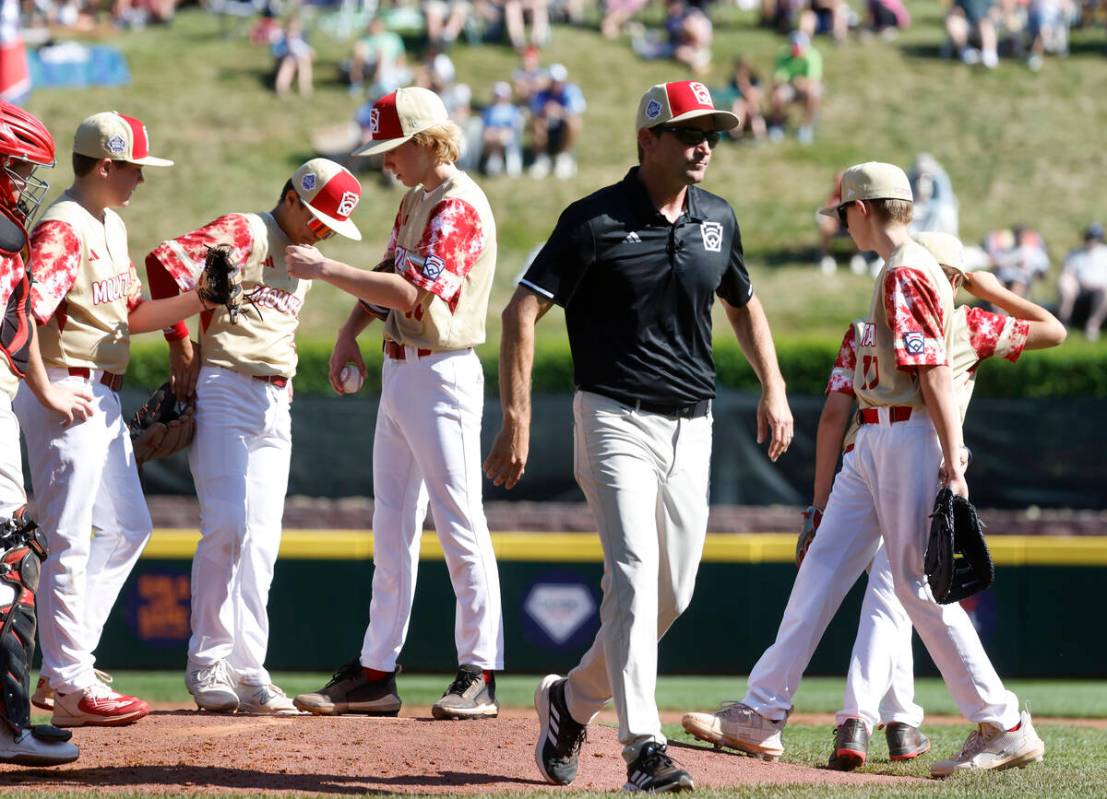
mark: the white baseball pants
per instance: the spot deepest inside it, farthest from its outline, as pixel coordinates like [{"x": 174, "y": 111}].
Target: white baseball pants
[
  {"x": 426, "y": 448},
  {"x": 85, "y": 479},
  {"x": 645, "y": 477},
  {"x": 12, "y": 496},
  {"x": 239, "y": 460},
  {"x": 883, "y": 488}
]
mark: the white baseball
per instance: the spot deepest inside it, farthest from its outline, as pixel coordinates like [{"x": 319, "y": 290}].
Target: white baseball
[{"x": 351, "y": 379}]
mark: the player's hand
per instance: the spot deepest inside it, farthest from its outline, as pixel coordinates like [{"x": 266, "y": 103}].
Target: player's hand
[
  {"x": 73, "y": 404},
  {"x": 184, "y": 368},
  {"x": 345, "y": 351},
  {"x": 982, "y": 283},
  {"x": 507, "y": 461},
  {"x": 955, "y": 479},
  {"x": 304, "y": 261},
  {"x": 774, "y": 418}
]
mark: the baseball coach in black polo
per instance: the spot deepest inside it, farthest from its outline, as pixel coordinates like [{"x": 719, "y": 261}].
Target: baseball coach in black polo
[{"x": 637, "y": 267}]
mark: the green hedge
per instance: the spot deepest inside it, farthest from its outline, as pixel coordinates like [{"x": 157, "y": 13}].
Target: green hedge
[{"x": 1077, "y": 369}]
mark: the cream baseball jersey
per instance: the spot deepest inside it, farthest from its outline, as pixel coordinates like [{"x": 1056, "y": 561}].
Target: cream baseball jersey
[
  {"x": 444, "y": 242},
  {"x": 11, "y": 273},
  {"x": 977, "y": 336},
  {"x": 909, "y": 325},
  {"x": 85, "y": 287},
  {"x": 262, "y": 343}
]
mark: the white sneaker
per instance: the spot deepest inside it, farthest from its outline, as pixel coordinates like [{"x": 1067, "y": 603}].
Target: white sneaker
[
  {"x": 541, "y": 166},
  {"x": 43, "y": 697},
  {"x": 989, "y": 747},
  {"x": 970, "y": 56},
  {"x": 989, "y": 59},
  {"x": 265, "y": 700},
  {"x": 827, "y": 265},
  {"x": 739, "y": 727},
  {"x": 564, "y": 166},
  {"x": 805, "y": 135},
  {"x": 858, "y": 265},
  {"x": 212, "y": 687},
  {"x": 27, "y": 750}
]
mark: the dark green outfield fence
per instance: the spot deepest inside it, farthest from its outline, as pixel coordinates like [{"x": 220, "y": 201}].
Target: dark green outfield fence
[{"x": 1034, "y": 621}]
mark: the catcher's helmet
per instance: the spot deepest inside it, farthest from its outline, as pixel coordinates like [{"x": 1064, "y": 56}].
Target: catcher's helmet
[{"x": 23, "y": 137}]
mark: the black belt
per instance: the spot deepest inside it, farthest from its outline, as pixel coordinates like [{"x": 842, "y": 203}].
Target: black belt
[{"x": 694, "y": 411}]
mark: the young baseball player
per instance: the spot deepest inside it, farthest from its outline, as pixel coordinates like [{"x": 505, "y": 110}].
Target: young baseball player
[
  {"x": 908, "y": 443},
  {"x": 25, "y": 146},
  {"x": 880, "y": 685},
  {"x": 243, "y": 445},
  {"x": 638, "y": 267},
  {"x": 427, "y": 440},
  {"x": 87, "y": 301}
]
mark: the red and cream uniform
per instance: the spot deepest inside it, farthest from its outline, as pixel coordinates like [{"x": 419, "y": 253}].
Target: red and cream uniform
[
  {"x": 910, "y": 324},
  {"x": 427, "y": 440},
  {"x": 84, "y": 475},
  {"x": 241, "y": 453}
]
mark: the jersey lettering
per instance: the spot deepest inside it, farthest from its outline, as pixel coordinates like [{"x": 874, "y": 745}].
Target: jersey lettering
[
  {"x": 110, "y": 290},
  {"x": 269, "y": 297},
  {"x": 868, "y": 335}
]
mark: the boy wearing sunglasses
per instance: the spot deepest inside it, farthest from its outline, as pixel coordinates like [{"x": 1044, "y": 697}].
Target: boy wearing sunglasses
[
  {"x": 241, "y": 374},
  {"x": 638, "y": 266}
]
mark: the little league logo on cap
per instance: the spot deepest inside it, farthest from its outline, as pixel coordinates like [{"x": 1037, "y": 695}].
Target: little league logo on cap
[
  {"x": 331, "y": 193},
  {"x": 396, "y": 117},
  {"x": 680, "y": 101},
  {"x": 872, "y": 180},
  {"x": 111, "y": 135}
]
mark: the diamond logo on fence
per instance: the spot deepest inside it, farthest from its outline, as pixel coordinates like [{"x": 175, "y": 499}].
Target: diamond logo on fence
[{"x": 559, "y": 608}]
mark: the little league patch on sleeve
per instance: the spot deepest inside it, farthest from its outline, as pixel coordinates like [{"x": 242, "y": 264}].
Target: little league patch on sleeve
[
  {"x": 712, "y": 234},
  {"x": 432, "y": 267},
  {"x": 914, "y": 343}
]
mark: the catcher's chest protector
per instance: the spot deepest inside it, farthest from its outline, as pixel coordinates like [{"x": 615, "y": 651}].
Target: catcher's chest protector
[
  {"x": 23, "y": 548},
  {"x": 15, "y": 327}
]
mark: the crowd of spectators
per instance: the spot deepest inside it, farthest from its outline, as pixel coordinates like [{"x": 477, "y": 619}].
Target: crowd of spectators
[{"x": 981, "y": 31}]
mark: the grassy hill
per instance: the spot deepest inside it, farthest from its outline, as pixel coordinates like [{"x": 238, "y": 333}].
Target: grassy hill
[{"x": 1019, "y": 146}]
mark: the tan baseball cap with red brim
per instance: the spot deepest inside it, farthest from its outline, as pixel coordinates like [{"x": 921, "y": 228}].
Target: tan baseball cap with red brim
[
  {"x": 111, "y": 135},
  {"x": 396, "y": 117},
  {"x": 680, "y": 101},
  {"x": 331, "y": 193}
]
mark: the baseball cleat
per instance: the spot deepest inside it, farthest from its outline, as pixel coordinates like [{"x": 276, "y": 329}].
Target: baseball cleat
[
  {"x": 740, "y": 727},
  {"x": 654, "y": 771},
  {"x": 560, "y": 736},
  {"x": 97, "y": 706},
  {"x": 470, "y": 696},
  {"x": 37, "y": 746},
  {"x": 43, "y": 697},
  {"x": 213, "y": 687},
  {"x": 990, "y": 747},
  {"x": 264, "y": 700},
  {"x": 851, "y": 746},
  {"x": 350, "y": 691},
  {"x": 905, "y": 742}
]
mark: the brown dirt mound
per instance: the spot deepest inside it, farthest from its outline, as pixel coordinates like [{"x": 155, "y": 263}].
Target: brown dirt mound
[{"x": 183, "y": 751}]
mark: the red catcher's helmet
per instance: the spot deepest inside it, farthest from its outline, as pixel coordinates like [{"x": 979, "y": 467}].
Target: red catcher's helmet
[{"x": 23, "y": 137}]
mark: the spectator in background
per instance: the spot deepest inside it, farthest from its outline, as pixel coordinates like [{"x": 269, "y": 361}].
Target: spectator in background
[
  {"x": 1018, "y": 256},
  {"x": 502, "y": 134},
  {"x": 1048, "y": 30},
  {"x": 969, "y": 22},
  {"x": 439, "y": 75},
  {"x": 617, "y": 13},
  {"x": 380, "y": 61},
  {"x": 529, "y": 77},
  {"x": 742, "y": 95},
  {"x": 445, "y": 21},
  {"x": 936, "y": 206},
  {"x": 294, "y": 58},
  {"x": 516, "y": 13},
  {"x": 687, "y": 37},
  {"x": 797, "y": 80},
  {"x": 887, "y": 17},
  {"x": 1084, "y": 273},
  {"x": 826, "y": 16},
  {"x": 555, "y": 125}
]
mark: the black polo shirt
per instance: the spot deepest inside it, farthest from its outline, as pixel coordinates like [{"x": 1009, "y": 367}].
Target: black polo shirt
[{"x": 638, "y": 290}]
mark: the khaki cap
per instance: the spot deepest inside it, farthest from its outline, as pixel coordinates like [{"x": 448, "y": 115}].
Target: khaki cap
[
  {"x": 680, "y": 101},
  {"x": 396, "y": 117},
  {"x": 946, "y": 249},
  {"x": 872, "y": 181},
  {"x": 111, "y": 135}
]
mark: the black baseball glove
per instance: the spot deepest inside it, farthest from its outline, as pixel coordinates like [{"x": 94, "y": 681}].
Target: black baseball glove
[
  {"x": 162, "y": 426},
  {"x": 220, "y": 282},
  {"x": 956, "y": 530}
]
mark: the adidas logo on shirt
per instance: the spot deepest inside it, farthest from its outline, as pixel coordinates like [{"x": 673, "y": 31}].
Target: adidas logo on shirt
[{"x": 632, "y": 238}]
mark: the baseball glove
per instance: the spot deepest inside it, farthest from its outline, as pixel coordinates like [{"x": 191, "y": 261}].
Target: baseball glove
[
  {"x": 957, "y": 561},
  {"x": 161, "y": 426},
  {"x": 220, "y": 282},
  {"x": 811, "y": 519}
]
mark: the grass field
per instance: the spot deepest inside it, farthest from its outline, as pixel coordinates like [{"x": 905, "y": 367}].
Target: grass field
[
  {"x": 1019, "y": 146},
  {"x": 1075, "y": 764}
]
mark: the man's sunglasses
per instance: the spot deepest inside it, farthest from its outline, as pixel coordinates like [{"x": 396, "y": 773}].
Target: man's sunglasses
[
  {"x": 692, "y": 137},
  {"x": 320, "y": 230}
]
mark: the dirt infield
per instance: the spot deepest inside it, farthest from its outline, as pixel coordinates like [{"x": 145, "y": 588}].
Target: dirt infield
[{"x": 175, "y": 751}]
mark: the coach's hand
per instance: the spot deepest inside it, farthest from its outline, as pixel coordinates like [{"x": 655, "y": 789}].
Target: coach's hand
[
  {"x": 774, "y": 417},
  {"x": 507, "y": 461}
]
